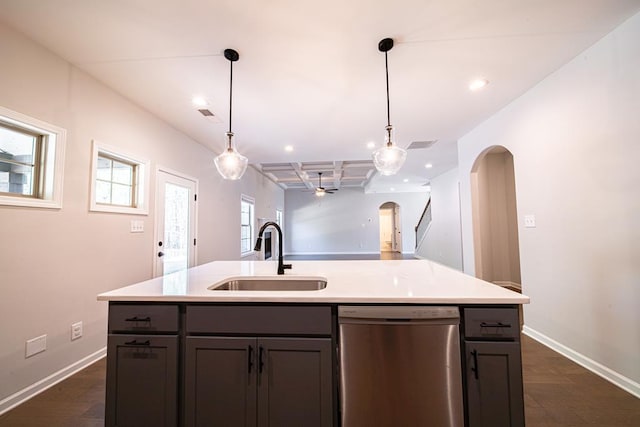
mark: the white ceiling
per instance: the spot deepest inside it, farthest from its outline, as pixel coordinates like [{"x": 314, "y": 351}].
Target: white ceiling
[{"x": 310, "y": 74}]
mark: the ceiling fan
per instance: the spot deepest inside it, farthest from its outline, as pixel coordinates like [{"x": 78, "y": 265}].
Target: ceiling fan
[{"x": 320, "y": 191}]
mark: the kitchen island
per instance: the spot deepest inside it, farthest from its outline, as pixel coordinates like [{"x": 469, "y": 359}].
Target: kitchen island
[{"x": 180, "y": 353}]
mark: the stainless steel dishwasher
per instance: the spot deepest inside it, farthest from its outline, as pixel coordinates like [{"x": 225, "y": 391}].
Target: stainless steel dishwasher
[{"x": 400, "y": 366}]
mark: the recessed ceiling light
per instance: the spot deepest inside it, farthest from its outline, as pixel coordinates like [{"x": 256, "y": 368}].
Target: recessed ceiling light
[
  {"x": 478, "y": 84},
  {"x": 199, "y": 101},
  {"x": 371, "y": 145},
  {"x": 405, "y": 180},
  {"x": 288, "y": 148},
  {"x": 428, "y": 166},
  {"x": 392, "y": 189}
]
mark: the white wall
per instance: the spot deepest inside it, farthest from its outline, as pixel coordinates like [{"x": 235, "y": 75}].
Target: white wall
[
  {"x": 53, "y": 263},
  {"x": 346, "y": 221},
  {"x": 575, "y": 139},
  {"x": 442, "y": 242}
]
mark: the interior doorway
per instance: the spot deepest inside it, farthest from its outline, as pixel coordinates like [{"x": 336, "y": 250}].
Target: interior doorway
[
  {"x": 175, "y": 227},
  {"x": 495, "y": 221},
  {"x": 390, "y": 230}
]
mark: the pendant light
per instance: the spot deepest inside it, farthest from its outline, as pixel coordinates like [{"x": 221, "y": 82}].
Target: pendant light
[
  {"x": 388, "y": 159},
  {"x": 231, "y": 164}
]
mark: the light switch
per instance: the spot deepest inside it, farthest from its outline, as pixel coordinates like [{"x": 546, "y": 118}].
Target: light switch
[
  {"x": 530, "y": 221},
  {"x": 137, "y": 226}
]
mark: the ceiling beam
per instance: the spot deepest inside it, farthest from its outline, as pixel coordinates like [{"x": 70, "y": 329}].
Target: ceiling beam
[{"x": 303, "y": 175}]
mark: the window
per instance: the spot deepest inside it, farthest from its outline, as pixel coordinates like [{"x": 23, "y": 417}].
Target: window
[
  {"x": 118, "y": 181},
  {"x": 247, "y": 205},
  {"x": 31, "y": 161},
  {"x": 279, "y": 218}
]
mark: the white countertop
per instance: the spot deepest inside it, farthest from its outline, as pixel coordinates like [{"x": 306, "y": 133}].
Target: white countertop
[{"x": 402, "y": 281}]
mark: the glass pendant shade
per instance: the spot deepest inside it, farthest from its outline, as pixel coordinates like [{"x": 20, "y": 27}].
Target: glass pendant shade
[
  {"x": 389, "y": 159},
  {"x": 231, "y": 164}
]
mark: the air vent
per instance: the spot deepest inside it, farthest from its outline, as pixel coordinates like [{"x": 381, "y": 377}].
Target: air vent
[
  {"x": 206, "y": 112},
  {"x": 209, "y": 115},
  {"x": 419, "y": 145}
]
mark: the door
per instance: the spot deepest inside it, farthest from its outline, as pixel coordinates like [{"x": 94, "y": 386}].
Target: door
[
  {"x": 295, "y": 382},
  {"x": 397, "y": 230},
  {"x": 142, "y": 372},
  {"x": 175, "y": 223},
  {"x": 494, "y": 384},
  {"x": 220, "y": 381}
]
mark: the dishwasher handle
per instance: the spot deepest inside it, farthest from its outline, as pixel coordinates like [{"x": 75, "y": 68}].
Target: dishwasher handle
[
  {"x": 398, "y": 322},
  {"x": 409, "y": 315}
]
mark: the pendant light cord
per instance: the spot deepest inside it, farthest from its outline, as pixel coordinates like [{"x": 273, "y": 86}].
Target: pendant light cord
[
  {"x": 230, "y": 93},
  {"x": 386, "y": 67}
]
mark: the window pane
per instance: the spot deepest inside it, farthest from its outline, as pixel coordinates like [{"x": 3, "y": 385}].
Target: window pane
[
  {"x": 245, "y": 245},
  {"x": 103, "y": 192},
  {"x": 121, "y": 195},
  {"x": 104, "y": 169},
  {"x": 176, "y": 228},
  {"x": 122, "y": 173},
  {"x": 17, "y": 154}
]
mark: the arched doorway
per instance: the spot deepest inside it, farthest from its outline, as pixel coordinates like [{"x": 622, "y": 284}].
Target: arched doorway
[
  {"x": 390, "y": 234},
  {"x": 495, "y": 221}
]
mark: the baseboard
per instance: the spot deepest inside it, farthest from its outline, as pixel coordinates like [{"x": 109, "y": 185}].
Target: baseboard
[
  {"x": 331, "y": 253},
  {"x": 53, "y": 379},
  {"x": 608, "y": 374}
]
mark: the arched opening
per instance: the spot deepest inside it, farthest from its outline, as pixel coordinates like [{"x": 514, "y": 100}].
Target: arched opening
[
  {"x": 390, "y": 235},
  {"x": 495, "y": 221}
]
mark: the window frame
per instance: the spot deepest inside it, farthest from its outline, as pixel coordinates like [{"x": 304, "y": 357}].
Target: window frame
[
  {"x": 48, "y": 164},
  {"x": 140, "y": 180},
  {"x": 252, "y": 223}
]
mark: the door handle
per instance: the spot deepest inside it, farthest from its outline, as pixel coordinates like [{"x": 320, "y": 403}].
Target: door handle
[
  {"x": 160, "y": 254},
  {"x": 474, "y": 366},
  {"x": 260, "y": 360},
  {"x": 250, "y": 358}
]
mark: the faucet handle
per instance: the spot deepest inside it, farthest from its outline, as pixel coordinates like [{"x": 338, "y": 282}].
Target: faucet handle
[{"x": 286, "y": 266}]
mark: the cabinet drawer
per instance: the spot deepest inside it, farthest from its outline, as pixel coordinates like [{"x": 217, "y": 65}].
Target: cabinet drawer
[
  {"x": 259, "y": 320},
  {"x": 143, "y": 318},
  {"x": 491, "y": 323}
]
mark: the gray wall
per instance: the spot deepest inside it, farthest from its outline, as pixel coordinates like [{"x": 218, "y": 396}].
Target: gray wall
[
  {"x": 442, "y": 242},
  {"x": 575, "y": 144},
  {"x": 346, "y": 221},
  {"x": 53, "y": 263}
]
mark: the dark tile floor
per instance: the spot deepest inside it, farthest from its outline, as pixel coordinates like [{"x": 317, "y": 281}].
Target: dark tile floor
[{"x": 558, "y": 393}]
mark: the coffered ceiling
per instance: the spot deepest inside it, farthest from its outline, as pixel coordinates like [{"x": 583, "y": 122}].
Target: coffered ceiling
[{"x": 310, "y": 75}]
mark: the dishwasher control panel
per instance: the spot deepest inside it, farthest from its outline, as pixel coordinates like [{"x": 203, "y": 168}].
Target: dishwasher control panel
[{"x": 398, "y": 312}]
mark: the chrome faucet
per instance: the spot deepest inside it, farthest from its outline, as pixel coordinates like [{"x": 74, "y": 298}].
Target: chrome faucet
[{"x": 281, "y": 266}]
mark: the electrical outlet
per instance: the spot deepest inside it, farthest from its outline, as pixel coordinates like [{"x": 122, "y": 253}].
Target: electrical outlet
[
  {"x": 36, "y": 345},
  {"x": 76, "y": 331}
]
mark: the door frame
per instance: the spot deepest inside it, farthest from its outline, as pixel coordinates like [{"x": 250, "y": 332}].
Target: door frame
[{"x": 164, "y": 170}]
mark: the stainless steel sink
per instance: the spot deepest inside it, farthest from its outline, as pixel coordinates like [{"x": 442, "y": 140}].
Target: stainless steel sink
[{"x": 271, "y": 284}]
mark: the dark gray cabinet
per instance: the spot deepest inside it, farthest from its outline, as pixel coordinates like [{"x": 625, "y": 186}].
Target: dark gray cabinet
[
  {"x": 142, "y": 366},
  {"x": 241, "y": 371},
  {"x": 494, "y": 394},
  {"x": 258, "y": 381}
]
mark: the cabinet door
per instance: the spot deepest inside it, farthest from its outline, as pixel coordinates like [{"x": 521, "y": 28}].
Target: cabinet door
[
  {"x": 494, "y": 384},
  {"x": 220, "y": 381},
  {"x": 142, "y": 380},
  {"x": 295, "y": 382}
]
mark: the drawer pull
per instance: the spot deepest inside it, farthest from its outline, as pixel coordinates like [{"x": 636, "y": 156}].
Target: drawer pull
[
  {"x": 134, "y": 342},
  {"x": 138, "y": 319},
  {"x": 495, "y": 325}
]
